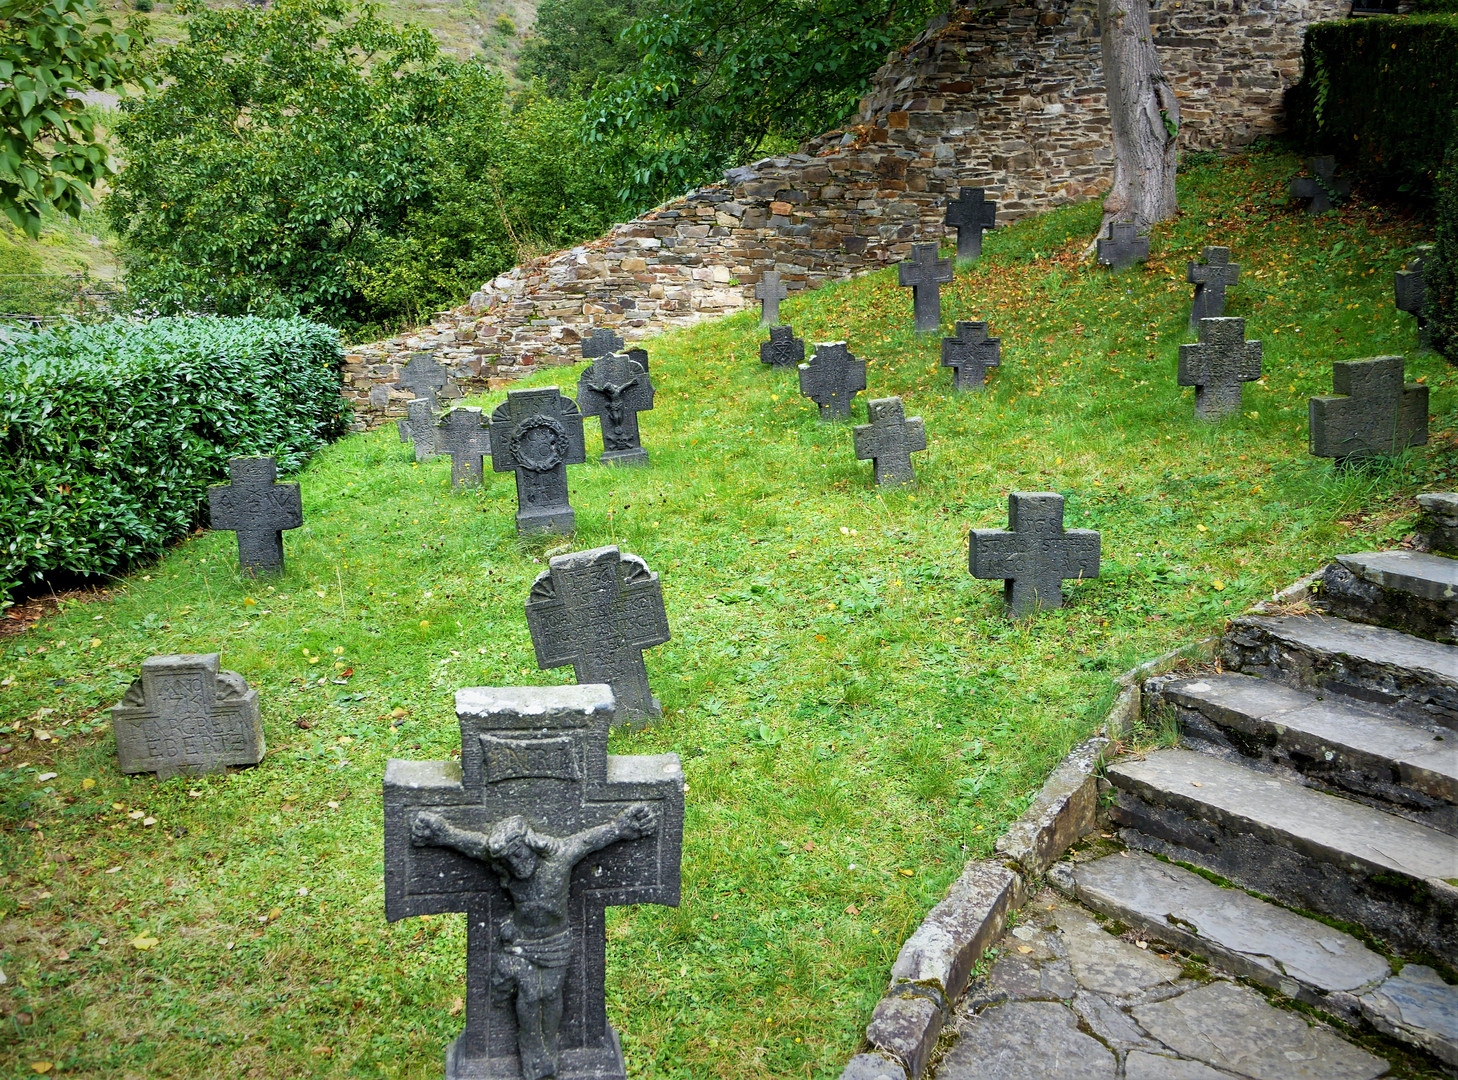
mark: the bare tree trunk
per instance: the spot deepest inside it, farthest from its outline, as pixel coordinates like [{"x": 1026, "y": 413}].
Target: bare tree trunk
[{"x": 1144, "y": 114}]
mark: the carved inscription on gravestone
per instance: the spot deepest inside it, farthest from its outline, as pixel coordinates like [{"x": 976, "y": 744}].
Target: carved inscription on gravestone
[
  {"x": 185, "y": 715},
  {"x": 1035, "y": 555},
  {"x": 1218, "y": 365},
  {"x": 424, "y": 378},
  {"x": 832, "y": 379},
  {"x": 537, "y": 433},
  {"x": 783, "y": 349},
  {"x": 925, "y": 274},
  {"x": 1123, "y": 247},
  {"x": 1210, "y": 279},
  {"x": 616, "y": 389},
  {"x": 258, "y": 510},
  {"x": 462, "y": 434},
  {"x": 969, "y": 354},
  {"x": 889, "y": 440},
  {"x": 1377, "y": 415}
]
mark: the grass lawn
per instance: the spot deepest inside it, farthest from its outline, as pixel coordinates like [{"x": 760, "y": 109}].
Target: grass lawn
[{"x": 855, "y": 716}]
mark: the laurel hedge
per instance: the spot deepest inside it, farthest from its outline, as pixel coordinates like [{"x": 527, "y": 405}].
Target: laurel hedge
[
  {"x": 1440, "y": 273},
  {"x": 110, "y": 433}
]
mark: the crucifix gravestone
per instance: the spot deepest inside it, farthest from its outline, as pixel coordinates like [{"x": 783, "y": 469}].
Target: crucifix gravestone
[
  {"x": 598, "y": 610},
  {"x": 463, "y": 435},
  {"x": 601, "y": 342},
  {"x": 1123, "y": 247},
  {"x": 1217, "y": 365},
  {"x": 969, "y": 354},
  {"x": 783, "y": 349},
  {"x": 258, "y": 510},
  {"x": 832, "y": 378},
  {"x": 925, "y": 274},
  {"x": 423, "y": 377},
  {"x": 616, "y": 389},
  {"x": 420, "y": 420},
  {"x": 1036, "y": 554},
  {"x": 533, "y": 835},
  {"x": 889, "y": 440},
  {"x": 185, "y": 716},
  {"x": 537, "y": 433},
  {"x": 1210, "y": 279},
  {"x": 1324, "y": 189},
  {"x": 1378, "y": 414},
  {"x": 769, "y": 291},
  {"x": 969, "y": 213}
]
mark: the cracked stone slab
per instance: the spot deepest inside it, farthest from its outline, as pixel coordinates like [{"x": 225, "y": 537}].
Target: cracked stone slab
[
  {"x": 1022, "y": 978},
  {"x": 1104, "y": 964},
  {"x": 1110, "y": 1023},
  {"x": 1431, "y": 577},
  {"x": 1233, "y": 1028},
  {"x": 1141, "y": 1066},
  {"x": 1032, "y": 1040},
  {"x": 1418, "y": 1007}
]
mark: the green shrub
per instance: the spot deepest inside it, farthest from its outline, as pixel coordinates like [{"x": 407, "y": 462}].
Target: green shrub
[
  {"x": 1430, "y": 7},
  {"x": 1440, "y": 274},
  {"x": 109, "y": 434},
  {"x": 505, "y": 24},
  {"x": 143, "y": 5}
]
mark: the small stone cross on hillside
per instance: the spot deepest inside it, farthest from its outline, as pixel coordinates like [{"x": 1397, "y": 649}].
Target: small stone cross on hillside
[
  {"x": 1323, "y": 190},
  {"x": 420, "y": 421},
  {"x": 601, "y": 342},
  {"x": 832, "y": 378},
  {"x": 783, "y": 349},
  {"x": 258, "y": 510},
  {"x": 1218, "y": 365},
  {"x": 1035, "y": 555},
  {"x": 423, "y": 377},
  {"x": 463, "y": 434},
  {"x": 925, "y": 274},
  {"x": 1123, "y": 247},
  {"x": 969, "y": 213},
  {"x": 537, "y": 433},
  {"x": 616, "y": 389},
  {"x": 889, "y": 440},
  {"x": 969, "y": 354},
  {"x": 769, "y": 291},
  {"x": 1379, "y": 415},
  {"x": 1210, "y": 279}
]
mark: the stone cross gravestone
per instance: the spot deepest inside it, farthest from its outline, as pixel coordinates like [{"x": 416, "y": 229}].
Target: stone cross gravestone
[
  {"x": 1411, "y": 294},
  {"x": 533, "y": 835},
  {"x": 969, "y": 213},
  {"x": 1036, "y": 554},
  {"x": 832, "y": 378},
  {"x": 1123, "y": 247},
  {"x": 185, "y": 716},
  {"x": 258, "y": 510},
  {"x": 1322, "y": 190},
  {"x": 769, "y": 291},
  {"x": 783, "y": 349},
  {"x": 420, "y": 421},
  {"x": 598, "y": 610},
  {"x": 463, "y": 435},
  {"x": 1217, "y": 366},
  {"x": 1210, "y": 279},
  {"x": 925, "y": 274},
  {"x": 969, "y": 354},
  {"x": 537, "y": 433},
  {"x": 616, "y": 389},
  {"x": 423, "y": 377},
  {"x": 889, "y": 440},
  {"x": 1378, "y": 414},
  {"x": 601, "y": 342}
]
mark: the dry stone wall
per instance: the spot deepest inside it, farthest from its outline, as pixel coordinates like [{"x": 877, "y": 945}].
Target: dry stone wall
[{"x": 1005, "y": 97}]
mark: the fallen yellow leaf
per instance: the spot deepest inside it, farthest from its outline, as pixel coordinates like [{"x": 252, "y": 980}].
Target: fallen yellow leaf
[
  {"x": 42, "y": 1066},
  {"x": 87, "y": 784},
  {"x": 1025, "y": 949},
  {"x": 143, "y": 942}
]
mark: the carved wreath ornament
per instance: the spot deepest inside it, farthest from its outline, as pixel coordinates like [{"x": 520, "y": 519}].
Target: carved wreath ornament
[{"x": 539, "y": 443}]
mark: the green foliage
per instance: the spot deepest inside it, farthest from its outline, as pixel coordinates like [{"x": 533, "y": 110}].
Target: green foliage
[
  {"x": 51, "y": 52},
  {"x": 1433, "y": 7},
  {"x": 1440, "y": 273},
  {"x": 577, "y": 44},
  {"x": 109, "y": 433}
]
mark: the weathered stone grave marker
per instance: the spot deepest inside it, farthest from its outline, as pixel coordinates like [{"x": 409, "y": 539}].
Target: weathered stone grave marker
[
  {"x": 783, "y": 349},
  {"x": 969, "y": 213},
  {"x": 1322, "y": 190},
  {"x": 832, "y": 378},
  {"x": 423, "y": 377},
  {"x": 889, "y": 440},
  {"x": 1378, "y": 414},
  {"x": 925, "y": 274},
  {"x": 420, "y": 420},
  {"x": 1210, "y": 279},
  {"x": 537, "y": 433},
  {"x": 603, "y": 341},
  {"x": 258, "y": 510},
  {"x": 969, "y": 354},
  {"x": 533, "y": 835},
  {"x": 1035, "y": 554},
  {"x": 616, "y": 389},
  {"x": 1410, "y": 292},
  {"x": 769, "y": 291},
  {"x": 1123, "y": 247},
  {"x": 1217, "y": 366},
  {"x": 598, "y": 610},
  {"x": 463, "y": 434},
  {"x": 185, "y": 716}
]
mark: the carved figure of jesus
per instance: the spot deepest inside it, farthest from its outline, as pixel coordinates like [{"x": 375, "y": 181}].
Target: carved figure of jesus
[
  {"x": 536, "y": 940},
  {"x": 614, "y": 394}
]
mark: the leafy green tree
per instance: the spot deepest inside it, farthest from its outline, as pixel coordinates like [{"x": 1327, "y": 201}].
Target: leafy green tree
[
  {"x": 50, "y": 151},
  {"x": 577, "y": 44}
]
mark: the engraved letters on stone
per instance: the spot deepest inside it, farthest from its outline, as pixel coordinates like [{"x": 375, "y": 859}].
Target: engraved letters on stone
[
  {"x": 1379, "y": 414},
  {"x": 616, "y": 388},
  {"x": 783, "y": 349},
  {"x": 1123, "y": 247},
  {"x": 832, "y": 378},
  {"x": 1210, "y": 279},
  {"x": 420, "y": 420},
  {"x": 463, "y": 435},
  {"x": 1218, "y": 365},
  {"x": 769, "y": 291},
  {"x": 925, "y": 274},
  {"x": 889, "y": 440},
  {"x": 537, "y": 433},
  {"x": 1035, "y": 555},
  {"x": 185, "y": 716},
  {"x": 258, "y": 510},
  {"x": 969, "y": 354}
]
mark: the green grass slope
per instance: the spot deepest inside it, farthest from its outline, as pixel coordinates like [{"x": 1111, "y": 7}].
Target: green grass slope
[{"x": 855, "y": 716}]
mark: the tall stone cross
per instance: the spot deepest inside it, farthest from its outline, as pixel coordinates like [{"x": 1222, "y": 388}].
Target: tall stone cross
[
  {"x": 421, "y": 421},
  {"x": 598, "y": 610},
  {"x": 769, "y": 291},
  {"x": 1218, "y": 365},
  {"x": 463, "y": 434},
  {"x": 1378, "y": 415},
  {"x": 423, "y": 377},
  {"x": 783, "y": 349},
  {"x": 889, "y": 440},
  {"x": 537, "y": 433},
  {"x": 258, "y": 510},
  {"x": 1210, "y": 279},
  {"x": 1036, "y": 554},
  {"x": 603, "y": 341},
  {"x": 969, "y": 213},
  {"x": 616, "y": 389},
  {"x": 533, "y": 835},
  {"x": 832, "y": 378},
  {"x": 1123, "y": 247},
  {"x": 186, "y": 716},
  {"x": 969, "y": 354},
  {"x": 925, "y": 274},
  {"x": 1323, "y": 190}
]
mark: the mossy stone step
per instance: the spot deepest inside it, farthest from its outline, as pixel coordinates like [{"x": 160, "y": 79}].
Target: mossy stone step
[{"x": 1410, "y": 591}]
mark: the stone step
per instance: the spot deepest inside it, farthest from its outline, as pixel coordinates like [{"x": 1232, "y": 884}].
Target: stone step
[
  {"x": 1410, "y": 591},
  {"x": 1414, "y": 677},
  {"x": 1303, "y": 847},
  {"x": 1299, "y": 957},
  {"x": 1404, "y": 767}
]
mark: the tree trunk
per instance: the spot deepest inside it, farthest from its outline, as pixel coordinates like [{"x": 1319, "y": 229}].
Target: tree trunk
[{"x": 1144, "y": 114}]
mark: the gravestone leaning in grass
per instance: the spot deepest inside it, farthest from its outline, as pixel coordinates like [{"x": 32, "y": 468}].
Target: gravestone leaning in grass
[
  {"x": 1218, "y": 365},
  {"x": 420, "y": 421},
  {"x": 925, "y": 274},
  {"x": 1377, "y": 415},
  {"x": 423, "y": 377},
  {"x": 533, "y": 835},
  {"x": 1210, "y": 279},
  {"x": 1036, "y": 554},
  {"x": 185, "y": 716},
  {"x": 1324, "y": 189},
  {"x": 1410, "y": 294},
  {"x": 970, "y": 213},
  {"x": 462, "y": 435},
  {"x": 889, "y": 440},
  {"x": 616, "y": 389},
  {"x": 537, "y": 433},
  {"x": 769, "y": 291},
  {"x": 969, "y": 354},
  {"x": 1123, "y": 247},
  {"x": 258, "y": 510},
  {"x": 598, "y": 610},
  {"x": 832, "y": 379},
  {"x": 603, "y": 341},
  {"x": 783, "y": 349}
]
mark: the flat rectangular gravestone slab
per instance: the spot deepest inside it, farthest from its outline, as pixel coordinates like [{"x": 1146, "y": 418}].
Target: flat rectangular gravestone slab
[
  {"x": 1377, "y": 415},
  {"x": 185, "y": 716}
]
